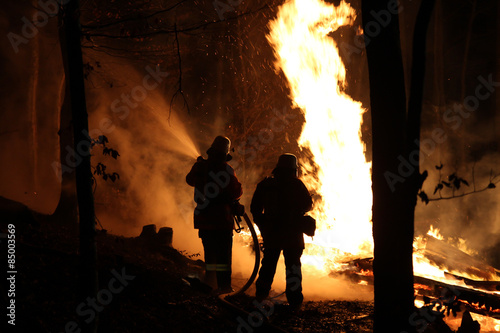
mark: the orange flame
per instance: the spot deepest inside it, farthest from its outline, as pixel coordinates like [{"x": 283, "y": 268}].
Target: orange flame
[
  {"x": 434, "y": 232},
  {"x": 339, "y": 172},
  {"x": 316, "y": 75}
]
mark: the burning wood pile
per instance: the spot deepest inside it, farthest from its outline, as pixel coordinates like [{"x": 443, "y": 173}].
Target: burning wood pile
[{"x": 466, "y": 283}]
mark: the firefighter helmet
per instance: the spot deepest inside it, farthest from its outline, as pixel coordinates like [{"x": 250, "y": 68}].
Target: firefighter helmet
[
  {"x": 287, "y": 161},
  {"x": 220, "y": 146}
]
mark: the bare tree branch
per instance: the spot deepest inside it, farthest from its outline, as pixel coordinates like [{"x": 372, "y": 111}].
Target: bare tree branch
[
  {"x": 179, "y": 87},
  {"x": 488, "y": 187},
  {"x": 176, "y": 31},
  {"x": 491, "y": 185}
]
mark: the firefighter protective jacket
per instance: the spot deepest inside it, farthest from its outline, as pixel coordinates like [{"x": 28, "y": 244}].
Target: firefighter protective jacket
[
  {"x": 277, "y": 207},
  {"x": 215, "y": 189}
]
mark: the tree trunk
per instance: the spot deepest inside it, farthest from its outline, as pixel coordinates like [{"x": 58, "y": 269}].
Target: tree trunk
[
  {"x": 468, "y": 38},
  {"x": 33, "y": 95},
  {"x": 72, "y": 52},
  {"x": 66, "y": 212},
  {"x": 395, "y": 168},
  {"x": 417, "y": 84},
  {"x": 496, "y": 122},
  {"x": 438, "y": 87}
]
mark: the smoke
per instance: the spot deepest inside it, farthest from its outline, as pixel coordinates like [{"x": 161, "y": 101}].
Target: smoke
[
  {"x": 466, "y": 151},
  {"x": 473, "y": 217},
  {"x": 155, "y": 154},
  {"x": 321, "y": 287},
  {"x": 462, "y": 96}
]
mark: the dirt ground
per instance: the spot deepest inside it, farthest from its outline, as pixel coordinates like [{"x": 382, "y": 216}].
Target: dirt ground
[{"x": 146, "y": 288}]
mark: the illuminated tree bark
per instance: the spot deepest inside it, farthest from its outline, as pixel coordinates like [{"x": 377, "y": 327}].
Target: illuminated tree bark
[
  {"x": 72, "y": 53},
  {"x": 395, "y": 169},
  {"x": 66, "y": 212}
]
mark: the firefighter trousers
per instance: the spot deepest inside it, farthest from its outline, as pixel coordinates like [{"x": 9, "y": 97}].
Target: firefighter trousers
[
  {"x": 293, "y": 274},
  {"x": 217, "y": 245}
]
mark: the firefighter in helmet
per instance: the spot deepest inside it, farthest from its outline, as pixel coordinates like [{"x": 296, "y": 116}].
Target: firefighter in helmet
[
  {"x": 278, "y": 204},
  {"x": 216, "y": 188}
]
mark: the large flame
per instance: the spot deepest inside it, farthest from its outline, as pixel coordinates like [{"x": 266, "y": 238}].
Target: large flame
[
  {"x": 316, "y": 75},
  {"x": 337, "y": 172}
]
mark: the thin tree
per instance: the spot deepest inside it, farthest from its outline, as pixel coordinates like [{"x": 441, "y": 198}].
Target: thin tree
[{"x": 72, "y": 55}]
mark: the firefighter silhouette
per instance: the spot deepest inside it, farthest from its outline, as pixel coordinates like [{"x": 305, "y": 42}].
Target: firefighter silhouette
[
  {"x": 216, "y": 188},
  {"x": 278, "y": 205}
]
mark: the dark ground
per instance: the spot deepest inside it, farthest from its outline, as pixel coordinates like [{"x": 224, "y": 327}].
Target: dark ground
[{"x": 156, "y": 297}]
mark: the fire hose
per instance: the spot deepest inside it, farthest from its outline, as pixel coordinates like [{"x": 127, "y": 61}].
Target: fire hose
[{"x": 256, "y": 248}]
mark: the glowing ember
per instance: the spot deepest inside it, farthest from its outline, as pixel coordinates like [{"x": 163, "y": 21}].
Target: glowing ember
[{"x": 311, "y": 62}]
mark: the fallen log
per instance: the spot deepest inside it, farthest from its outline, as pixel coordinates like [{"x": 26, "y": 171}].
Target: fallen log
[
  {"x": 485, "y": 285},
  {"x": 477, "y": 299},
  {"x": 448, "y": 257},
  {"x": 485, "y": 301},
  {"x": 463, "y": 305}
]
